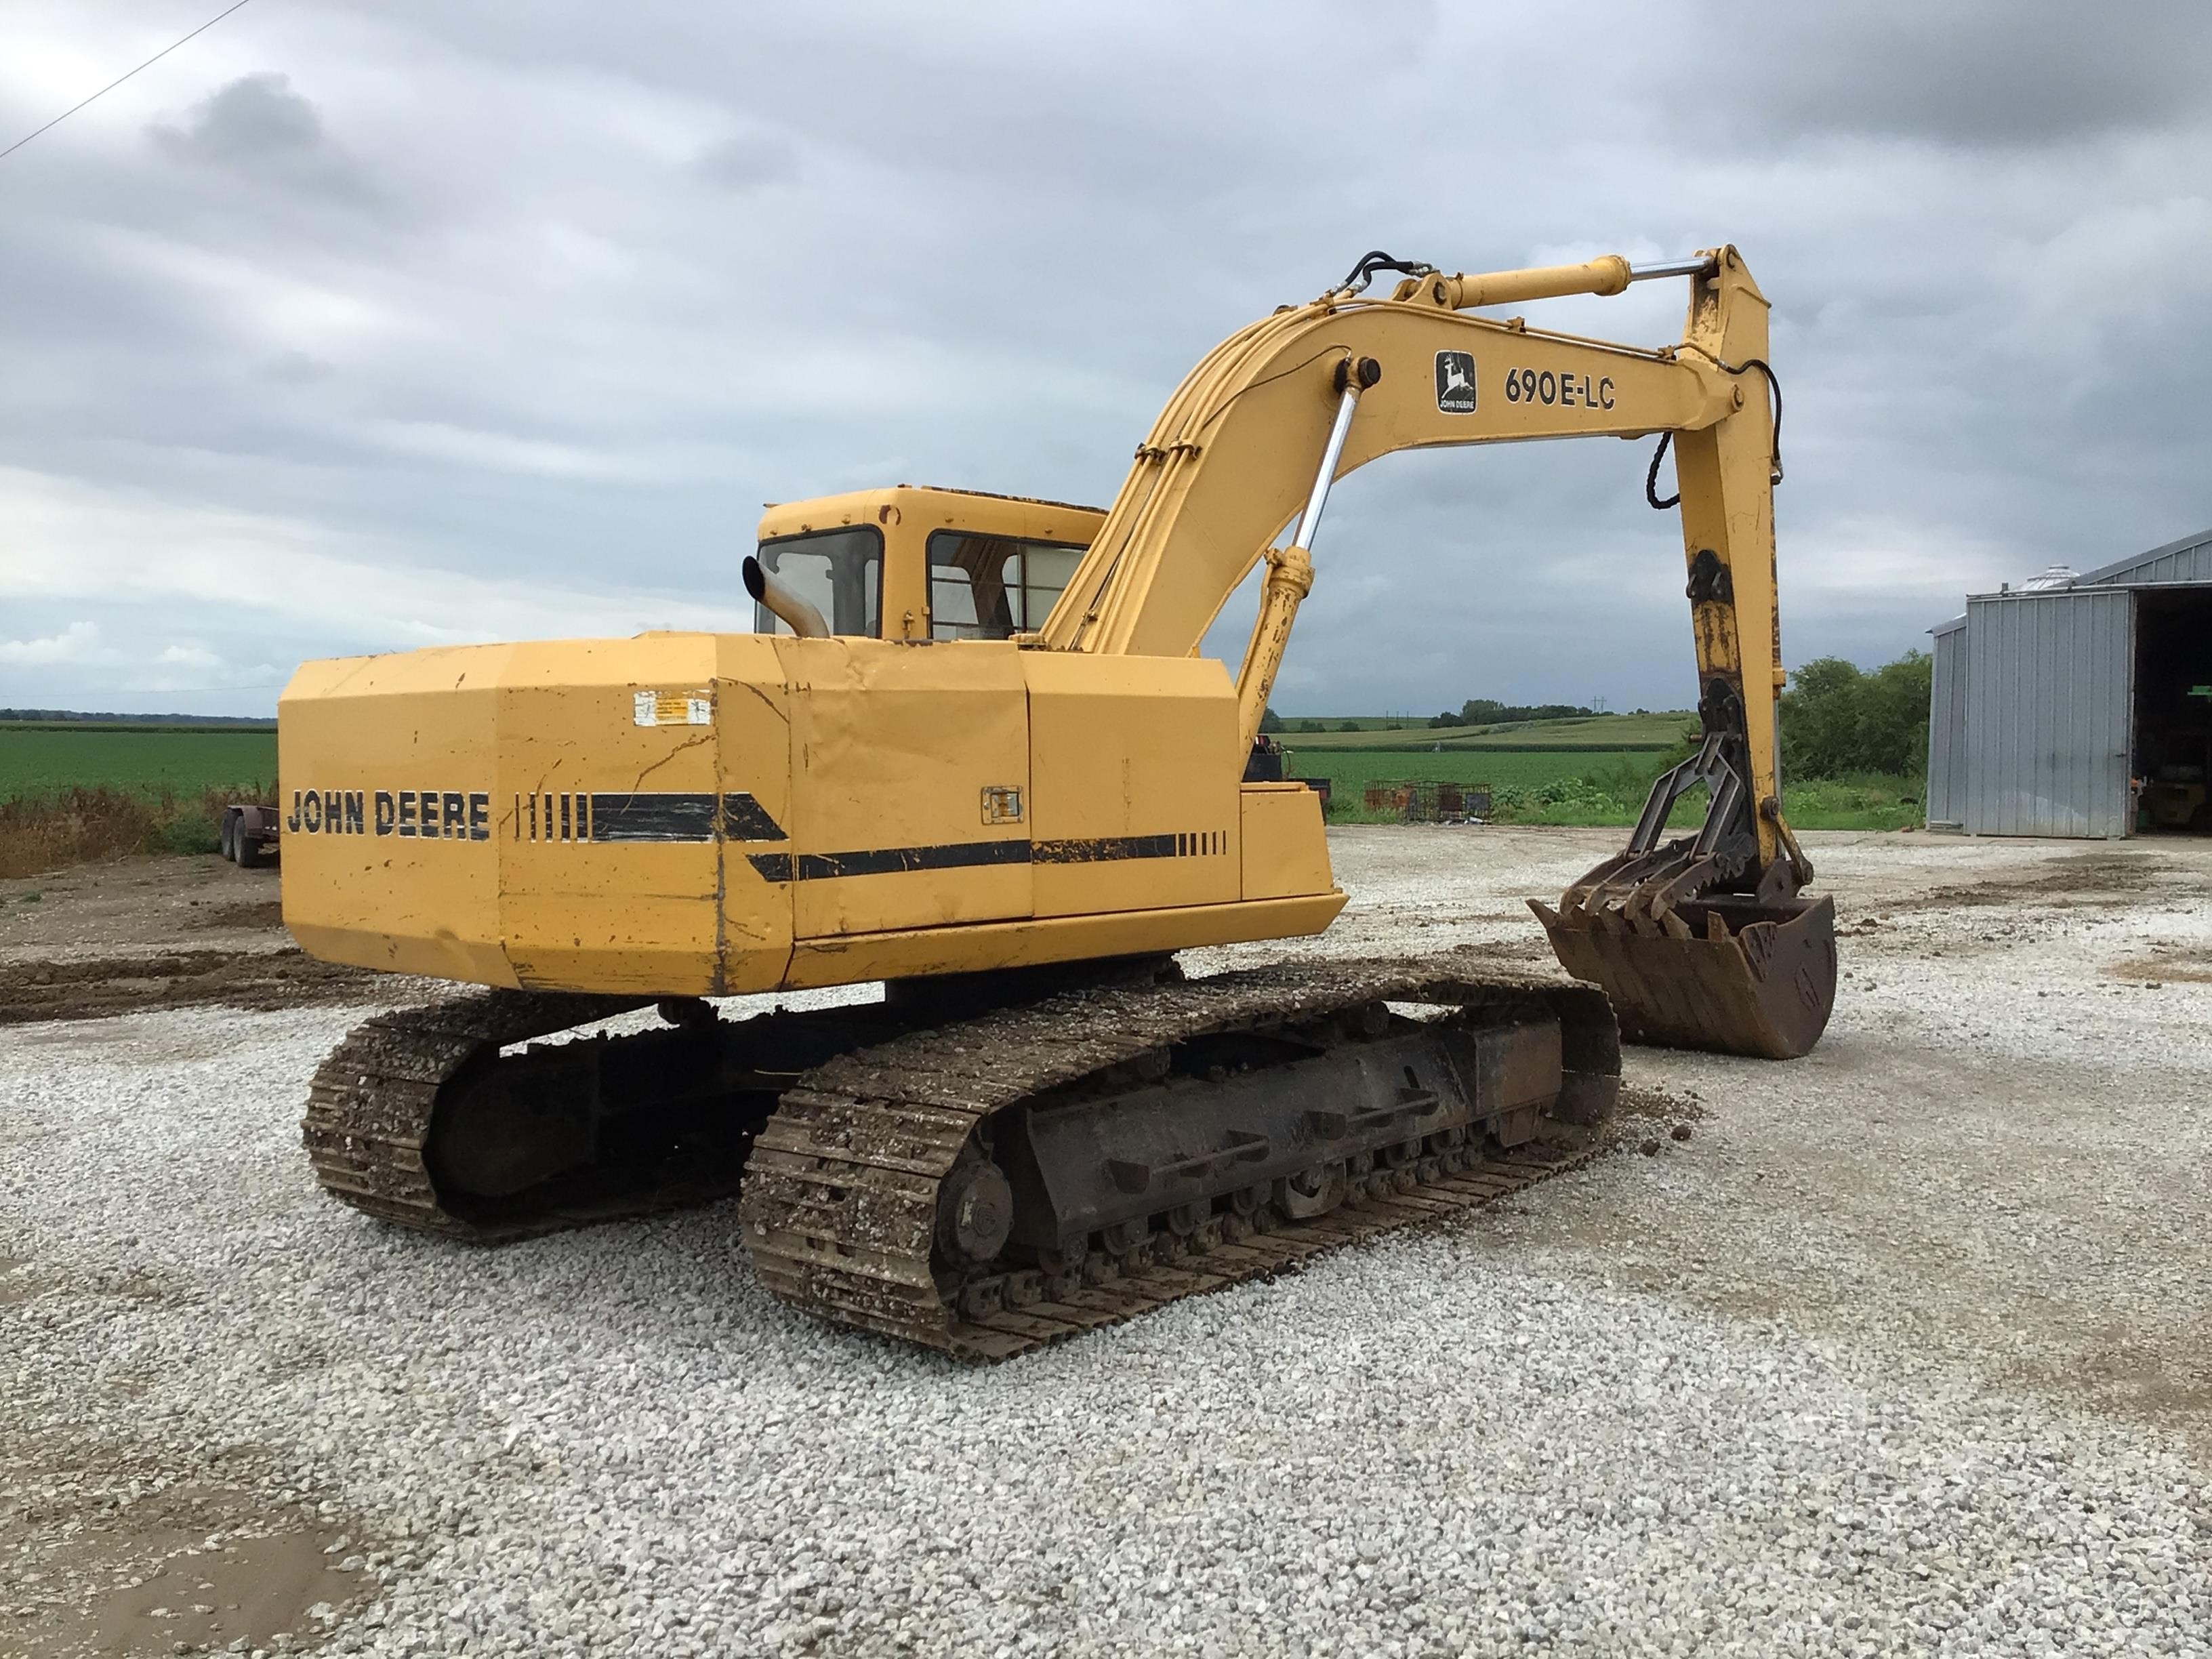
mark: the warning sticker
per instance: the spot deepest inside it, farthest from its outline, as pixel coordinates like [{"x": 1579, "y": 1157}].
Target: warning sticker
[{"x": 671, "y": 709}]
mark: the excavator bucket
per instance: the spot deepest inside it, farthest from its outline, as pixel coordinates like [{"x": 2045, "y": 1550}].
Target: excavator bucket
[
  {"x": 1697, "y": 942},
  {"x": 1728, "y": 974}
]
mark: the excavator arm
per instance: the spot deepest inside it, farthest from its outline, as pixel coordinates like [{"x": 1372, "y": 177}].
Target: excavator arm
[{"x": 1729, "y": 956}]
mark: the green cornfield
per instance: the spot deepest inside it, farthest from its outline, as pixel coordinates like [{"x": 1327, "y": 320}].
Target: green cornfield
[{"x": 39, "y": 759}]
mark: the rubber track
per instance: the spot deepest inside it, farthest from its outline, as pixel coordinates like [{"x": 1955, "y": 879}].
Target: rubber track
[
  {"x": 368, "y": 1107},
  {"x": 840, "y": 1199}
]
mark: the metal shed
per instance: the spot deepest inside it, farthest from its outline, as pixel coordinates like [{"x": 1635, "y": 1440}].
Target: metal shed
[{"x": 2079, "y": 705}]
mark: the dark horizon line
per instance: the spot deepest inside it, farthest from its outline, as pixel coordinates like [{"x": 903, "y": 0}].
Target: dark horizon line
[{"x": 77, "y": 716}]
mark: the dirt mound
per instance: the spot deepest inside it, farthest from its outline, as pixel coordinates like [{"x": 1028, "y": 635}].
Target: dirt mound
[
  {"x": 2074, "y": 881},
  {"x": 248, "y": 912},
  {"x": 284, "y": 978}
]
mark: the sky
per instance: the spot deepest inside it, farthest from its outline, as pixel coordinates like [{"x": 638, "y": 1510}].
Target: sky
[{"x": 349, "y": 328}]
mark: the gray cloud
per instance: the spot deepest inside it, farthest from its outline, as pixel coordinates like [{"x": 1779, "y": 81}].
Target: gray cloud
[
  {"x": 259, "y": 128},
  {"x": 1971, "y": 72},
  {"x": 627, "y": 277},
  {"x": 748, "y": 161},
  {"x": 255, "y": 121}
]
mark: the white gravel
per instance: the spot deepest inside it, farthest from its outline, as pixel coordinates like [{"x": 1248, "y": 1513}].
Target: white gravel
[{"x": 1906, "y": 1351}]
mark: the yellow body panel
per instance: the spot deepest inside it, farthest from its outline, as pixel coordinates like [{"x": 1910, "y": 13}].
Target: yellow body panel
[
  {"x": 921, "y": 749},
  {"x": 1056, "y": 939},
  {"x": 693, "y": 814},
  {"x": 1286, "y": 847},
  {"x": 358, "y": 738},
  {"x": 1124, "y": 748},
  {"x": 624, "y": 915}
]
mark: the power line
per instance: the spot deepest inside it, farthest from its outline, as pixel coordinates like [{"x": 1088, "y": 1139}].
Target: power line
[{"x": 120, "y": 79}]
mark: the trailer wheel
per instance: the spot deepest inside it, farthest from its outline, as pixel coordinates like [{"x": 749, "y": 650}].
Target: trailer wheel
[
  {"x": 228, "y": 837},
  {"x": 246, "y": 849}
]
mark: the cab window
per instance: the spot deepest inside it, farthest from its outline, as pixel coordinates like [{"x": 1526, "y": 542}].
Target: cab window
[
  {"x": 840, "y": 572},
  {"x": 989, "y": 587}
]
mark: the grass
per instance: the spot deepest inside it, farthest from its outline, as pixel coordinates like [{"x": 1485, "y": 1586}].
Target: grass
[
  {"x": 1869, "y": 801},
  {"x": 42, "y": 760},
  {"x": 1570, "y": 788},
  {"x": 1863, "y": 803},
  {"x": 1596, "y": 734},
  {"x": 1350, "y": 770}
]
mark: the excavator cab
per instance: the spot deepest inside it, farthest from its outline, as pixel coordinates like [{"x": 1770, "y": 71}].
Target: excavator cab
[{"x": 918, "y": 563}]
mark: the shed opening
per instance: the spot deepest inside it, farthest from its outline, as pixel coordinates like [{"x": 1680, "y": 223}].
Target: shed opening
[{"x": 2172, "y": 759}]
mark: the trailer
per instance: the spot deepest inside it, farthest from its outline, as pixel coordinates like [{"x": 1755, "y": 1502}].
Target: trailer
[{"x": 249, "y": 833}]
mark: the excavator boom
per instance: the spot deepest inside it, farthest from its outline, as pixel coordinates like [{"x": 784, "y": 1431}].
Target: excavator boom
[{"x": 1703, "y": 942}]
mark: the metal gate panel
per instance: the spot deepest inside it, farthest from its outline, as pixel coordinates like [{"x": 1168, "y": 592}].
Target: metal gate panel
[
  {"x": 2048, "y": 712},
  {"x": 1946, "y": 728}
]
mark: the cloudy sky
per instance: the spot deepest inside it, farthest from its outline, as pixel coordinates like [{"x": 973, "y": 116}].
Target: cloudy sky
[{"x": 357, "y": 327}]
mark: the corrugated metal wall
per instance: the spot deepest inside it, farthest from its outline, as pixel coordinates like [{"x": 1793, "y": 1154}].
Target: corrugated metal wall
[
  {"x": 1947, "y": 727},
  {"x": 2048, "y": 706}
]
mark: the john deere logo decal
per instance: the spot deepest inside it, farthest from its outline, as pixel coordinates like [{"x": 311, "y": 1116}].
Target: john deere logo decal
[{"x": 1455, "y": 382}]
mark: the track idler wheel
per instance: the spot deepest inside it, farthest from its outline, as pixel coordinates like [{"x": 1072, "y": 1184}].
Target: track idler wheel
[
  {"x": 974, "y": 1211},
  {"x": 1731, "y": 974}
]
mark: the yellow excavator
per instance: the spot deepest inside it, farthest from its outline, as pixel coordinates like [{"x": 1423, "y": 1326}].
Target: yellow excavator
[{"x": 971, "y": 751}]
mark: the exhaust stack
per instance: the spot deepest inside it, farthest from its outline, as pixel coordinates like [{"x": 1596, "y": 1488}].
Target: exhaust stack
[{"x": 783, "y": 600}]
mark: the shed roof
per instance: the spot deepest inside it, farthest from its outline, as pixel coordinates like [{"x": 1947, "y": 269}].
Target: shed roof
[{"x": 2188, "y": 559}]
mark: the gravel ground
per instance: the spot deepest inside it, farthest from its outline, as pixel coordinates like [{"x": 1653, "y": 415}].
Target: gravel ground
[{"x": 1904, "y": 1350}]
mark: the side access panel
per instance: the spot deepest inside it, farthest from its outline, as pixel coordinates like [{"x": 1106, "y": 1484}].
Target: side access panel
[
  {"x": 752, "y": 757},
  {"x": 1285, "y": 844},
  {"x": 911, "y": 784},
  {"x": 610, "y": 867},
  {"x": 1133, "y": 769}
]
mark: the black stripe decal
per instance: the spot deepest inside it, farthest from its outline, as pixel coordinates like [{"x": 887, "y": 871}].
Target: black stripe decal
[
  {"x": 888, "y": 860},
  {"x": 668, "y": 816},
  {"x": 957, "y": 855},
  {"x": 653, "y": 817},
  {"x": 743, "y": 819},
  {"x": 1100, "y": 849}
]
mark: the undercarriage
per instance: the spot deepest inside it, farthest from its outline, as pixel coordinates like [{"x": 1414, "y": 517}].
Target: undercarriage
[{"x": 985, "y": 1166}]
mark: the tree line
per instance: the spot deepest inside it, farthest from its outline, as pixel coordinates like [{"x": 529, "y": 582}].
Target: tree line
[
  {"x": 1483, "y": 711},
  {"x": 1475, "y": 711},
  {"x": 1839, "y": 720}
]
